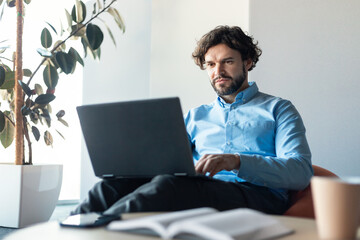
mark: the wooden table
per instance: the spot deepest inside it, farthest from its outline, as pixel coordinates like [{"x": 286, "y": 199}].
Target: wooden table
[{"x": 304, "y": 229}]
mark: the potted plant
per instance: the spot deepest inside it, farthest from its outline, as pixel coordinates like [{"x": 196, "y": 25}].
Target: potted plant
[{"x": 25, "y": 198}]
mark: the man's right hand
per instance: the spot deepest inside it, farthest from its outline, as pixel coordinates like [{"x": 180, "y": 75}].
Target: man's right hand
[{"x": 214, "y": 163}]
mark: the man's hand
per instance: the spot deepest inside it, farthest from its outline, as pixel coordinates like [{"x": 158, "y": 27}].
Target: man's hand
[{"x": 214, "y": 163}]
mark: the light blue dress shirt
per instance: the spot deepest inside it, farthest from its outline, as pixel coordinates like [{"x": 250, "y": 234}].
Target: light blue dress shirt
[{"x": 267, "y": 133}]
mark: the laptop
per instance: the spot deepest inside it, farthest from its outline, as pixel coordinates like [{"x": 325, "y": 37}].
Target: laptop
[{"x": 141, "y": 138}]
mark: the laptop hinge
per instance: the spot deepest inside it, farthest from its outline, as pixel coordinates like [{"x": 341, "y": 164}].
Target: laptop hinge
[
  {"x": 180, "y": 174},
  {"x": 108, "y": 176}
]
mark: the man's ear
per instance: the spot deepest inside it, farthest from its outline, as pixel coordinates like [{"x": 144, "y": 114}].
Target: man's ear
[{"x": 248, "y": 64}]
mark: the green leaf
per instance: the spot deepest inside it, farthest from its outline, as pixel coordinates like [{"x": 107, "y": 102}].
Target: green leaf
[
  {"x": 61, "y": 47},
  {"x": 3, "y": 49},
  {"x": 78, "y": 12},
  {"x": 75, "y": 55},
  {"x": 52, "y": 28},
  {"x": 53, "y": 62},
  {"x": 10, "y": 3},
  {"x": 99, "y": 4},
  {"x": 63, "y": 122},
  {"x": 2, "y": 121},
  {"x": 46, "y": 115},
  {"x": 44, "y": 98},
  {"x": 35, "y": 132},
  {"x": 2, "y": 11},
  {"x": 109, "y": 31},
  {"x": 60, "y": 114},
  {"x": 98, "y": 53},
  {"x": 25, "y": 88},
  {"x": 94, "y": 9},
  {"x": 46, "y": 39},
  {"x": 85, "y": 45},
  {"x": 27, "y": 72},
  {"x": 34, "y": 116},
  {"x": 48, "y": 107},
  {"x": 7, "y": 135},
  {"x": 117, "y": 17},
  {"x": 38, "y": 89},
  {"x": 50, "y": 76},
  {"x": 79, "y": 33},
  {"x": 65, "y": 61},
  {"x": 2, "y": 75},
  {"x": 48, "y": 138},
  {"x": 94, "y": 36},
  {"x": 25, "y": 110},
  {"x": 61, "y": 29},
  {"x": 60, "y": 134},
  {"x": 9, "y": 81},
  {"x": 69, "y": 19},
  {"x": 44, "y": 52}
]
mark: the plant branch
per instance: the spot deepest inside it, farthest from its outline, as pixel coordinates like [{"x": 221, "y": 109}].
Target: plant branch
[
  {"x": 71, "y": 34},
  {"x": 7, "y": 59},
  {"x": 11, "y": 121},
  {"x": 26, "y": 133}
]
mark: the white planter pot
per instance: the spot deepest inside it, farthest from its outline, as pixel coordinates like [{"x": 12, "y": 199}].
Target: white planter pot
[{"x": 29, "y": 193}]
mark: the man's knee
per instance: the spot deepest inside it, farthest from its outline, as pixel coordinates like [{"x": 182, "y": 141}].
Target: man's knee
[{"x": 164, "y": 181}]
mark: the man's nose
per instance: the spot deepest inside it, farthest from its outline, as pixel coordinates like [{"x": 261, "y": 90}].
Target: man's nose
[{"x": 219, "y": 69}]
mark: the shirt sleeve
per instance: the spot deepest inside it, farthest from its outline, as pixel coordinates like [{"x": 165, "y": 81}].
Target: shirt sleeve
[{"x": 291, "y": 167}]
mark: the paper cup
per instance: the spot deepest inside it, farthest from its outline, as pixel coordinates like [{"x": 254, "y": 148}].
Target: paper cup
[{"x": 337, "y": 206}]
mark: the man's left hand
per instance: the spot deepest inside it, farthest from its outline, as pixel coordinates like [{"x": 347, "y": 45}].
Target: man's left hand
[{"x": 214, "y": 163}]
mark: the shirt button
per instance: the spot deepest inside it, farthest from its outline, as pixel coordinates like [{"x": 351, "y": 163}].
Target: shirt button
[{"x": 228, "y": 143}]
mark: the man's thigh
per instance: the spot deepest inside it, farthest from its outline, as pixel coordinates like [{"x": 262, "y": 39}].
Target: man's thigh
[
  {"x": 106, "y": 192},
  {"x": 200, "y": 191}
]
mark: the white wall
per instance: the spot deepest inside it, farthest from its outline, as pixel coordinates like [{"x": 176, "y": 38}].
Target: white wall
[
  {"x": 176, "y": 26},
  {"x": 311, "y": 56}
]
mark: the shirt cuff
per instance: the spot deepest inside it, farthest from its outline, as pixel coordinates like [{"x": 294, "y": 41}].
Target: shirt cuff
[{"x": 236, "y": 171}]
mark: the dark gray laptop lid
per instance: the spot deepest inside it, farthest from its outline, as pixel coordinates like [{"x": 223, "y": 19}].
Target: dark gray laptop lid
[{"x": 140, "y": 138}]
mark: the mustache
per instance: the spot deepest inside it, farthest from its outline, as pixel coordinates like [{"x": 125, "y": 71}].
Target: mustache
[{"x": 222, "y": 76}]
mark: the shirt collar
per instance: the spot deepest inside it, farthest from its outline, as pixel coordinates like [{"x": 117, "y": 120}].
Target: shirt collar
[{"x": 242, "y": 97}]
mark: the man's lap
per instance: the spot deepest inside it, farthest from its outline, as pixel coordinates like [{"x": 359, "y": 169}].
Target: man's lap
[{"x": 171, "y": 193}]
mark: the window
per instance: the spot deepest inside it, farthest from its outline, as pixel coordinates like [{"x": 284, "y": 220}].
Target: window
[{"x": 68, "y": 92}]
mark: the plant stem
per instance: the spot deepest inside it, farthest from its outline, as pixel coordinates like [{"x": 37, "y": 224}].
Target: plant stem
[
  {"x": 72, "y": 34},
  {"x": 6, "y": 59},
  {"x": 10, "y": 120},
  {"x": 19, "y": 101},
  {"x": 26, "y": 133}
]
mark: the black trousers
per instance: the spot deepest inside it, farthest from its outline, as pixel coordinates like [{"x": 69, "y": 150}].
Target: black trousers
[{"x": 171, "y": 193}]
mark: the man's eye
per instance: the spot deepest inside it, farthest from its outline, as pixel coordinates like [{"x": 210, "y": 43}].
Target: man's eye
[
  {"x": 229, "y": 62},
  {"x": 210, "y": 64}
]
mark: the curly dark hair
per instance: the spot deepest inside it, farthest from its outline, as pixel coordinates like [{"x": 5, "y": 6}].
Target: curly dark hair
[{"x": 234, "y": 38}]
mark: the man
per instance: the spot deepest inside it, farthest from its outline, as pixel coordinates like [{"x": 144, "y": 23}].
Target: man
[{"x": 250, "y": 146}]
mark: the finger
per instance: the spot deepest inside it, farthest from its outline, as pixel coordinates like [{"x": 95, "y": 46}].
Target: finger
[
  {"x": 211, "y": 164},
  {"x": 200, "y": 165},
  {"x": 220, "y": 165}
]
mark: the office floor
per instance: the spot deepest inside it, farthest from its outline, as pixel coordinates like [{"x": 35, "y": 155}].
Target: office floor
[{"x": 60, "y": 212}]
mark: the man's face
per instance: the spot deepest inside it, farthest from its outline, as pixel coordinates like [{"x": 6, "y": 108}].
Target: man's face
[{"x": 226, "y": 70}]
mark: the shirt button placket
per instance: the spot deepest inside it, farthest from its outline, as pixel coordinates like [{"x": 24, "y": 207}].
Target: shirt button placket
[{"x": 229, "y": 126}]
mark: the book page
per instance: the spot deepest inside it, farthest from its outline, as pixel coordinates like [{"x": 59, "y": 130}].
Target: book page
[
  {"x": 233, "y": 224},
  {"x": 157, "y": 223}
]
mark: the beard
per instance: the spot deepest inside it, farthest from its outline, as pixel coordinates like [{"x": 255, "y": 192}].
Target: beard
[{"x": 235, "y": 85}]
